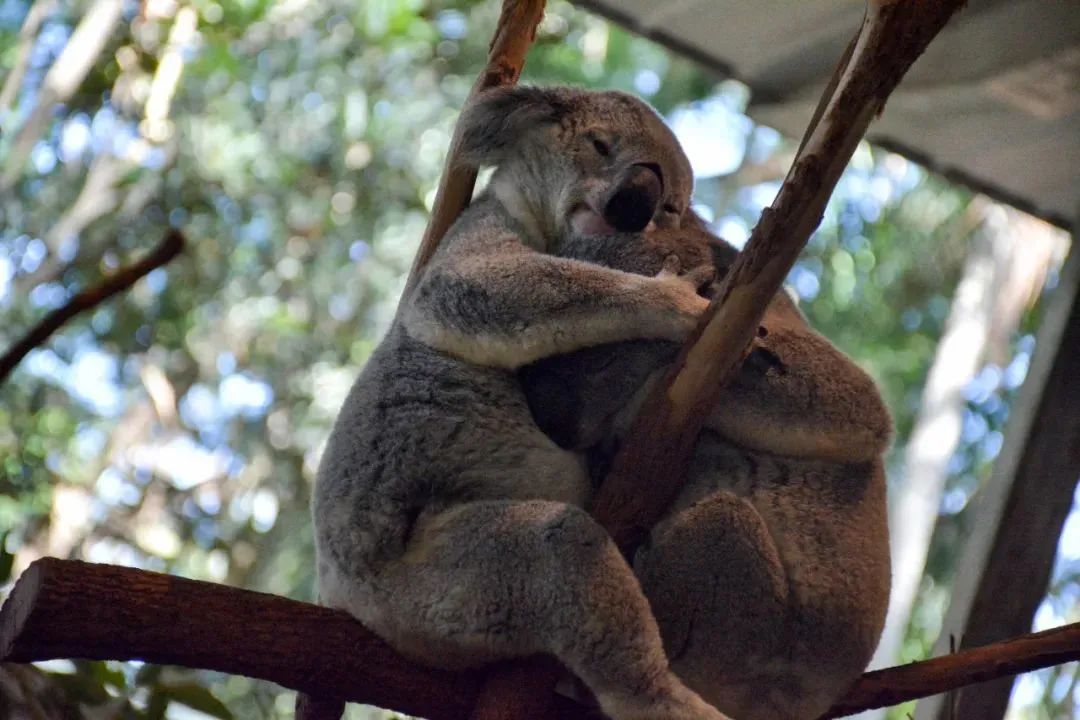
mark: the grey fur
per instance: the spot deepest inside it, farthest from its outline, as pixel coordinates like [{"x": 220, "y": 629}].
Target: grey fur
[
  {"x": 769, "y": 577},
  {"x": 445, "y": 520}
]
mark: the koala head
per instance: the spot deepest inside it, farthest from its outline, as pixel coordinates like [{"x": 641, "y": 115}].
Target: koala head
[{"x": 578, "y": 162}]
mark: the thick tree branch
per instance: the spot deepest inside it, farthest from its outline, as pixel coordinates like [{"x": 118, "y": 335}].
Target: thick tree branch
[
  {"x": 73, "y": 609},
  {"x": 514, "y": 35},
  {"x": 652, "y": 464},
  {"x": 123, "y": 279}
]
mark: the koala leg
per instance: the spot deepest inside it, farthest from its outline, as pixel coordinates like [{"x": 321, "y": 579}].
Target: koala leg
[
  {"x": 491, "y": 580},
  {"x": 723, "y": 600}
]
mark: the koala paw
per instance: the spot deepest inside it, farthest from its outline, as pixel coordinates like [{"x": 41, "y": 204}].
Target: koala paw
[
  {"x": 681, "y": 294},
  {"x": 699, "y": 278},
  {"x": 678, "y": 702}
]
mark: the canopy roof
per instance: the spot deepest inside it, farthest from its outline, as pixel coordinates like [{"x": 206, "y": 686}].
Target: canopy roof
[{"x": 993, "y": 104}]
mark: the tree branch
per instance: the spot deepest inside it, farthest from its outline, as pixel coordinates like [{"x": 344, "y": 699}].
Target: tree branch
[
  {"x": 514, "y": 34},
  {"x": 74, "y": 609},
  {"x": 892, "y": 686},
  {"x": 651, "y": 467},
  {"x": 123, "y": 279}
]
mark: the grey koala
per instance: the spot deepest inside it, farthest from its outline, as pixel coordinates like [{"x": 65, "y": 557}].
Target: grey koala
[
  {"x": 445, "y": 520},
  {"x": 769, "y": 576}
]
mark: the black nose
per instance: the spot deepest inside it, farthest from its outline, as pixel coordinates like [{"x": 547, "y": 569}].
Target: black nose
[{"x": 633, "y": 204}]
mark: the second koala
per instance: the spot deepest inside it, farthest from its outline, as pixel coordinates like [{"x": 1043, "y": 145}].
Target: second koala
[{"x": 769, "y": 576}]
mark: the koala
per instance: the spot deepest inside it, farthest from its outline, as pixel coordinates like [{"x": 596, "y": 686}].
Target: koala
[
  {"x": 445, "y": 519},
  {"x": 769, "y": 576}
]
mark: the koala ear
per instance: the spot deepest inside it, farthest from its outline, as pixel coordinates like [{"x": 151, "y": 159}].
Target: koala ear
[
  {"x": 499, "y": 118},
  {"x": 692, "y": 221}
]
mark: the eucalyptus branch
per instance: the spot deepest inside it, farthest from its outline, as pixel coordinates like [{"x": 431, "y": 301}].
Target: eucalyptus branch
[
  {"x": 514, "y": 35},
  {"x": 651, "y": 466},
  {"x": 119, "y": 281},
  {"x": 73, "y": 609}
]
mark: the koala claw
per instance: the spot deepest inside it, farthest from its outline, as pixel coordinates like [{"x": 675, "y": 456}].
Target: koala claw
[
  {"x": 671, "y": 268},
  {"x": 701, "y": 277}
]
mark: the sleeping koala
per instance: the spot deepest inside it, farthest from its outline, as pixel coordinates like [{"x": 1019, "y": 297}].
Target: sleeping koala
[
  {"x": 769, "y": 576},
  {"x": 445, "y": 520}
]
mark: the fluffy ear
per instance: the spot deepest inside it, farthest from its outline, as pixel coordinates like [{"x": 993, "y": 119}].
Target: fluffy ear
[
  {"x": 500, "y": 117},
  {"x": 723, "y": 253}
]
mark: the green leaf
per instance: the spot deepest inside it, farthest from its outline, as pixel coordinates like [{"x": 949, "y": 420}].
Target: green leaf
[
  {"x": 7, "y": 559},
  {"x": 197, "y": 698}
]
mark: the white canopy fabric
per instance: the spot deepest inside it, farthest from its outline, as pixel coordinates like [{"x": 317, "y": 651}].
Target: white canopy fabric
[{"x": 993, "y": 104}]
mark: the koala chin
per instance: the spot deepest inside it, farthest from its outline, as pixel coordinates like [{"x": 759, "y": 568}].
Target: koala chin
[{"x": 445, "y": 519}]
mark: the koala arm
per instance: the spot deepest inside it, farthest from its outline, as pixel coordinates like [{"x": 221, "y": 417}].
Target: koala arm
[
  {"x": 494, "y": 301},
  {"x": 797, "y": 395}
]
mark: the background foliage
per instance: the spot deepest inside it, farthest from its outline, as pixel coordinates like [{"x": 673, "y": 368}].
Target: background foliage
[{"x": 298, "y": 144}]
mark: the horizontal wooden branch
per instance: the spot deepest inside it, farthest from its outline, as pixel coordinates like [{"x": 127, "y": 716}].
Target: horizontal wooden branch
[
  {"x": 73, "y": 609},
  {"x": 121, "y": 280},
  {"x": 892, "y": 686}
]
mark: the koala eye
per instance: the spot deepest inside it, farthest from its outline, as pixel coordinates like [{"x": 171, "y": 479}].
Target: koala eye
[
  {"x": 669, "y": 208},
  {"x": 601, "y": 147}
]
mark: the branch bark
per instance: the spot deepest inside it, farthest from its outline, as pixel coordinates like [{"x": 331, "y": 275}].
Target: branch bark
[
  {"x": 123, "y": 279},
  {"x": 74, "y": 609},
  {"x": 514, "y": 34},
  {"x": 651, "y": 467}
]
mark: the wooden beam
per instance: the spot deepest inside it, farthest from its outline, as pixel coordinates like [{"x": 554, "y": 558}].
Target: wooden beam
[{"x": 1005, "y": 566}]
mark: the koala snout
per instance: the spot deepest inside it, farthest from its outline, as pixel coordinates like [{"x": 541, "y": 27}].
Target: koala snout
[{"x": 634, "y": 201}]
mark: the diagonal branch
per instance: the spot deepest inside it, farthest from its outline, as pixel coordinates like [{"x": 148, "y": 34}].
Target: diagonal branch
[
  {"x": 73, "y": 609},
  {"x": 650, "y": 469},
  {"x": 123, "y": 279},
  {"x": 514, "y": 34}
]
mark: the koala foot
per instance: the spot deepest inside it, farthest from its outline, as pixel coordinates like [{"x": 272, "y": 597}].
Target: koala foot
[{"x": 674, "y": 702}]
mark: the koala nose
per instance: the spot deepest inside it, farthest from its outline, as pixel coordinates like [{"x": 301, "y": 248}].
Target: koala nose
[{"x": 633, "y": 204}]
